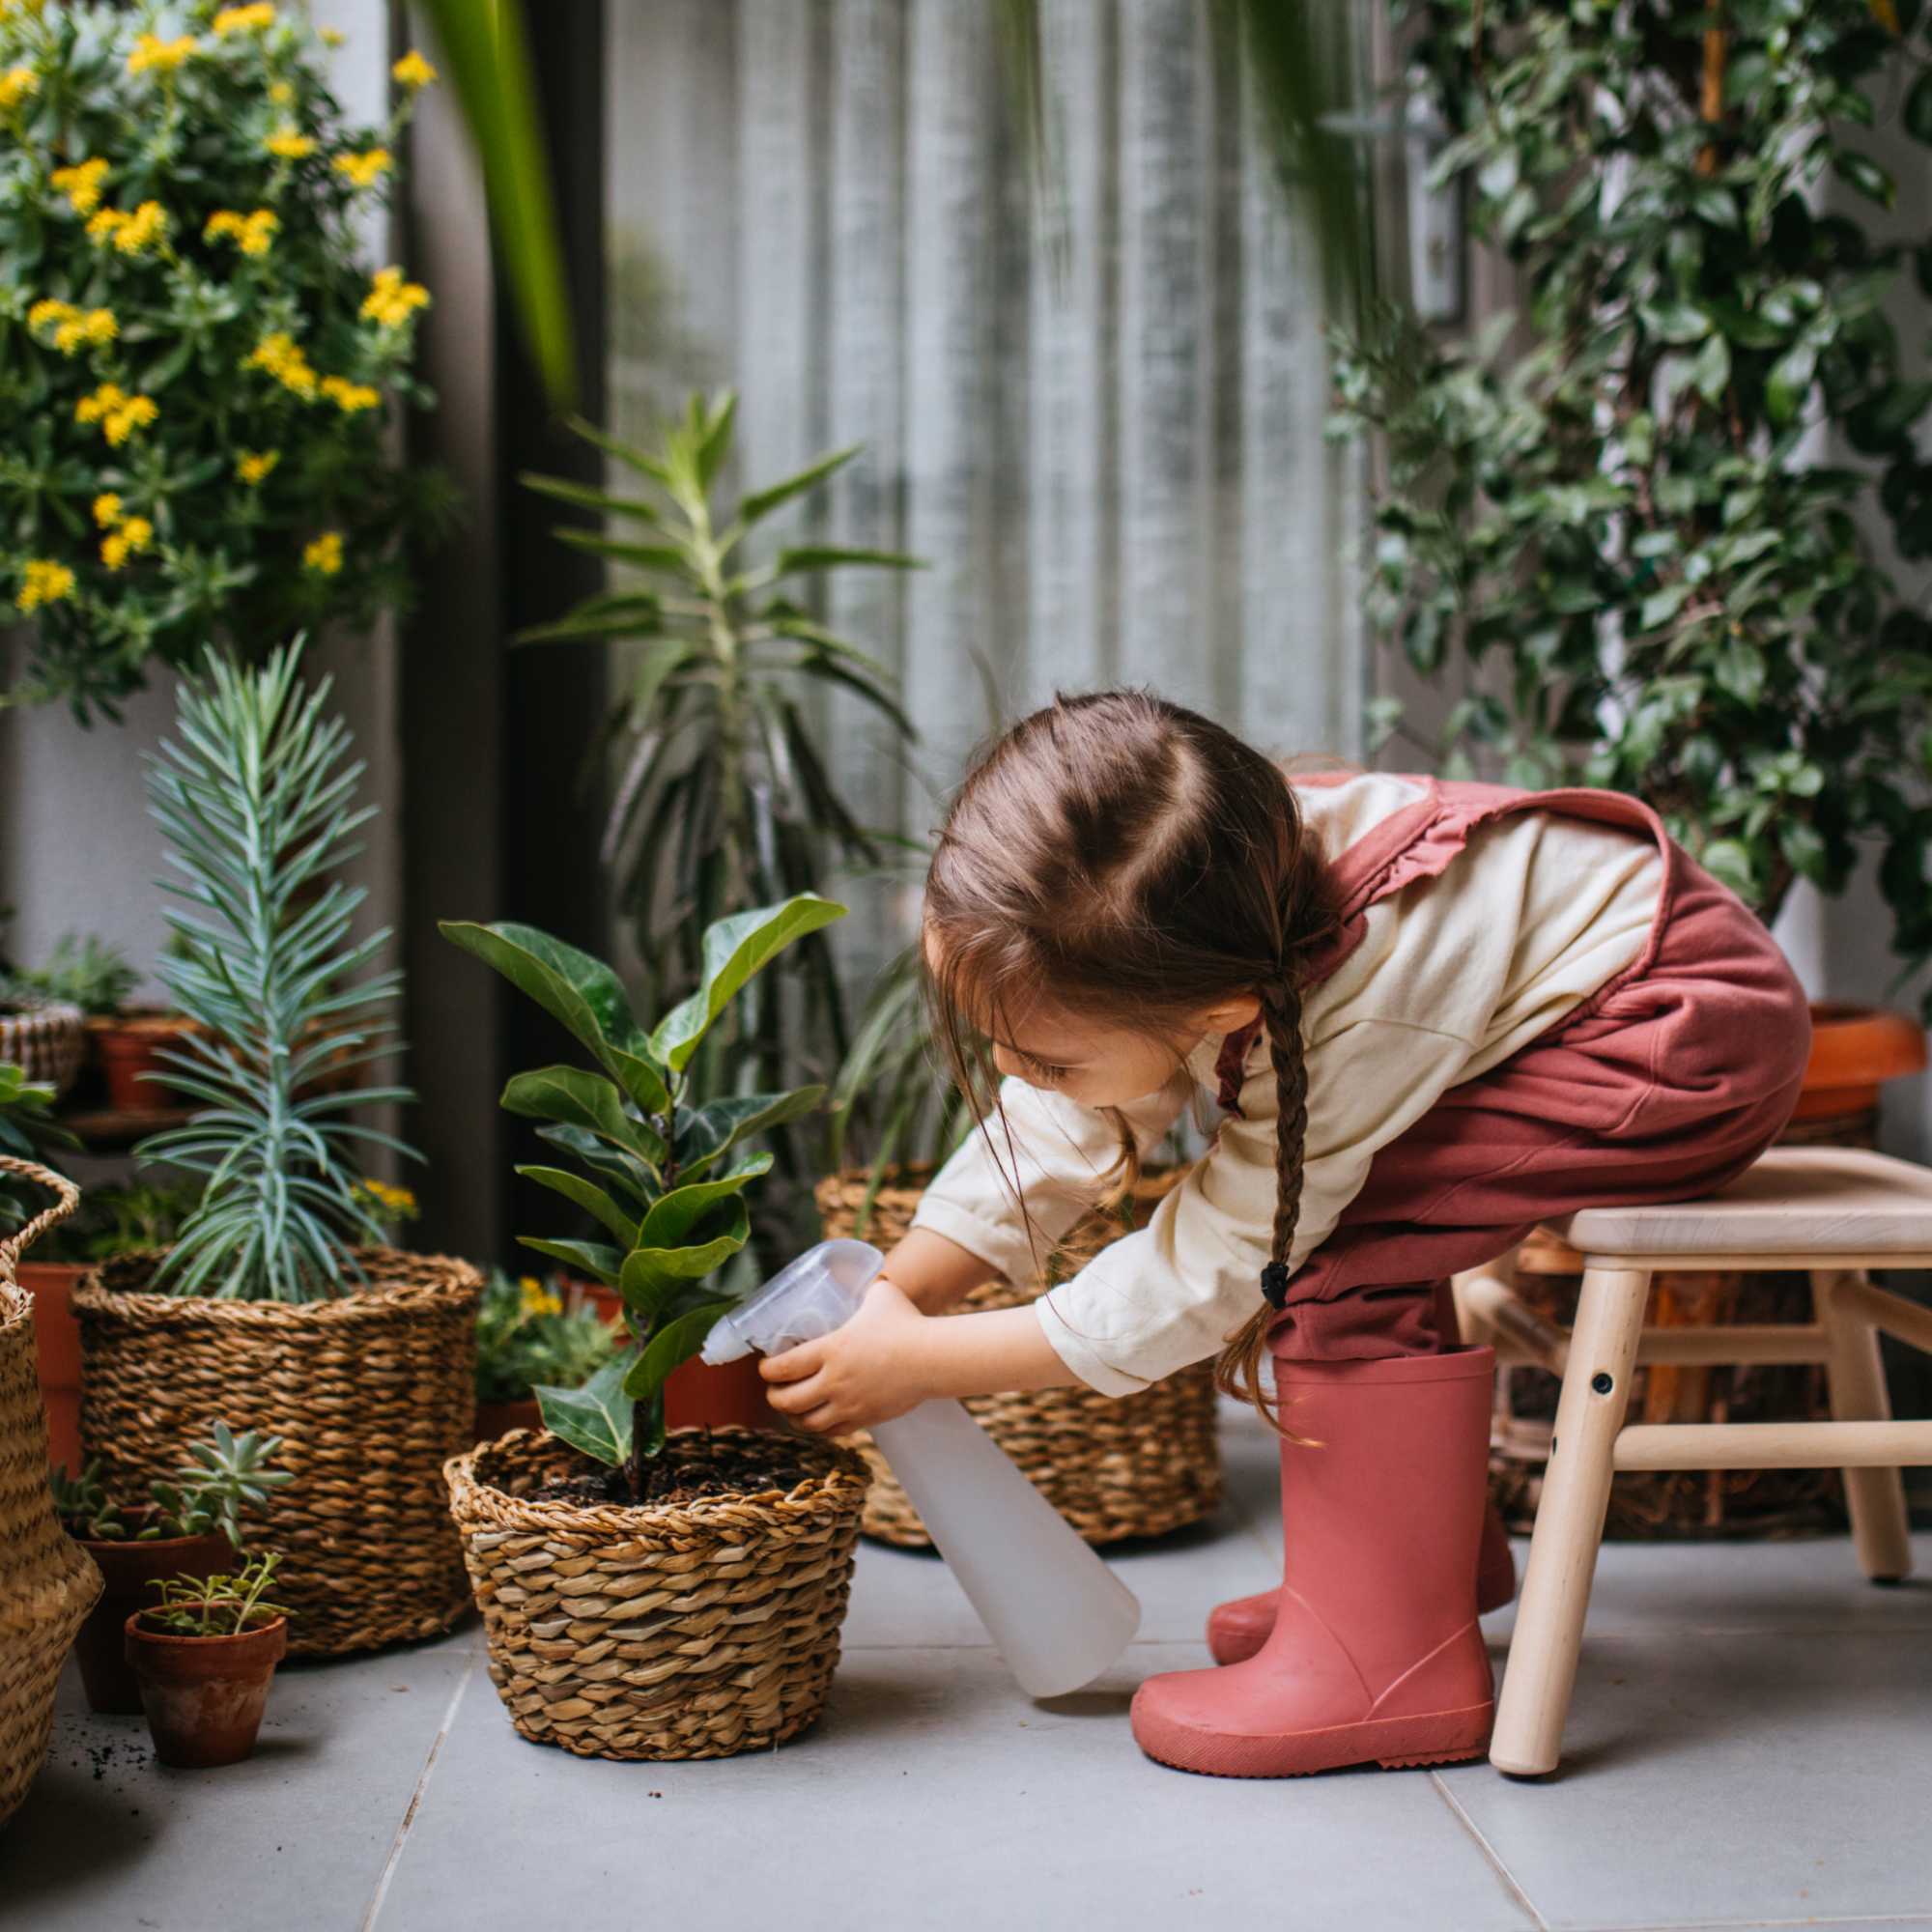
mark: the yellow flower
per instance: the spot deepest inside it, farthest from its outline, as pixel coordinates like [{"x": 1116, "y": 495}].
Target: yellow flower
[
  {"x": 241, "y": 19},
  {"x": 75, "y": 328},
  {"x": 107, "y": 510},
  {"x": 253, "y": 467},
  {"x": 325, "y": 555},
  {"x": 280, "y": 356},
  {"x": 537, "y": 1299},
  {"x": 289, "y": 142},
  {"x": 412, "y": 71},
  {"x": 151, "y": 53},
  {"x": 390, "y": 299},
  {"x": 282, "y": 92},
  {"x": 118, "y": 413},
  {"x": 252, "y": 233},
  {"x": 364, "y": 169},
  {"x": 15, "y": 85},
  {"x": 81, "y": 184},
  {"x": 131, "y": 233},
  {"x": 349, "y": 397},
  {"x": 47, "y": 583},
  {"x": 334, "y": 37},
  {"x": 135, "y": 534},
  {"x": 399, "y": 1201}
]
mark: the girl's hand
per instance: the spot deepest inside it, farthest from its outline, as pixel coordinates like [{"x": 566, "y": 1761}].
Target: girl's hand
[{"x": 871, "y": 1370}]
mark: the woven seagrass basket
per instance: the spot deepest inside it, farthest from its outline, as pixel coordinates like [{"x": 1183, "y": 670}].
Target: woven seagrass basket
[
  {"x": 1136, "y": 1466},
  {"x": 47, "y": 1582},
  {"x": 47, "y": 1039},
  {"x": 672, "y": 1630},
  {"x": 372, "y": 1391}
]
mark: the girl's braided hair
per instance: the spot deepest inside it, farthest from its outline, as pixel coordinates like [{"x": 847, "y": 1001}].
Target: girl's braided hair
[{"x": 1138, "y": 864}]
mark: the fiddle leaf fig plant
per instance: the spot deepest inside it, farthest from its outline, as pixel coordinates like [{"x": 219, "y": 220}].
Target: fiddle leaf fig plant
[{"x": 663, "y": 1179}]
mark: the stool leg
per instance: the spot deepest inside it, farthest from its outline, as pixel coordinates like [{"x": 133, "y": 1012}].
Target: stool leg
[
  {"x": 1542, "y": 1654},
  {"x": 1875, "y": 1497}
]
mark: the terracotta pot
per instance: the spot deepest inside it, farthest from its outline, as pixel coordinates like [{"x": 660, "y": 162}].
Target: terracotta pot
[
  {"x": 129, "y": 1047},
  {"x": 1854, "y": 1051},
  {"x": 495, "y": 1419},
  {"x": 698, "y": 1395},
  {"x": 130, "y": 1569},
  {"x": 57, "y": 1354},
  {"x": 204, "y": 1695}
]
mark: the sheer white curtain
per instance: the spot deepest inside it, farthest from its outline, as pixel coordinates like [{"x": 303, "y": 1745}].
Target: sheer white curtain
[{"x": 1098, "y": 417}]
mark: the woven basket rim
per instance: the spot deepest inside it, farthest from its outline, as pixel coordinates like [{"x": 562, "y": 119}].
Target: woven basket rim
[
  {"x": 477, "y": 1503},
  {"x": 450, "y": 1277}
]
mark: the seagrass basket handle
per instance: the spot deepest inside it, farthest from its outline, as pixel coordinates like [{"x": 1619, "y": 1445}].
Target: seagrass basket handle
[{"x": 15, "y": 1245}]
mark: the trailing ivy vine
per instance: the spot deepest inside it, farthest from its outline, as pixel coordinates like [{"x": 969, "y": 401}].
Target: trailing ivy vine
[{"x": 1628, "y": 494}]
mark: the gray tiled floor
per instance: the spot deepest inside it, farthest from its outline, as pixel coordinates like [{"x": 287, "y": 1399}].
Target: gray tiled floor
[{"x": 1750, "y": 1747}]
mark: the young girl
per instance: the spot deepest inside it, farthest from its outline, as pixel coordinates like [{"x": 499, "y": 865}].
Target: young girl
[{"x": 1429, "y": 1015}]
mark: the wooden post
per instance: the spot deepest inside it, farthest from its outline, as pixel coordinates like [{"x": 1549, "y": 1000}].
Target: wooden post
[{"x": 1875, "y": 1497}]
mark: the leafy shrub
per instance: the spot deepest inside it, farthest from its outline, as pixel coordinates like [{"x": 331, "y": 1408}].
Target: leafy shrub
[
  {"x": 194, "y": 356},
  {"x": 527, "y": 1334}
]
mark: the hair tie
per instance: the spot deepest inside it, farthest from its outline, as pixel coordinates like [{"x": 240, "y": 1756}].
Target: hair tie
[{"x": 1274, "y": 1284}]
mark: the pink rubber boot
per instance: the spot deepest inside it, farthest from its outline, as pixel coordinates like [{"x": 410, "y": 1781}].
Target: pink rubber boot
[
  {"x": 1376, "y": 1652},
  {"x": 1237, "y": 1628}
]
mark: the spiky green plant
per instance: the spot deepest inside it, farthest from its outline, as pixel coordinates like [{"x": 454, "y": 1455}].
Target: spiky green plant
[
  {"x": 27, "y": 1127},
  {"x": 256, "y": 799}
]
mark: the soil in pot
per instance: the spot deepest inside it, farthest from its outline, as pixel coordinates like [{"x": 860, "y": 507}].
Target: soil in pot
[
  {"x": 694, "y": 1468},
  {"x": 131, "y": 1570},
  {"x": 204, "y": 1695}
]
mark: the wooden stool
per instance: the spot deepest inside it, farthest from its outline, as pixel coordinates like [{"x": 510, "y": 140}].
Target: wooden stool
[{"x": 1833, "y": 1211}]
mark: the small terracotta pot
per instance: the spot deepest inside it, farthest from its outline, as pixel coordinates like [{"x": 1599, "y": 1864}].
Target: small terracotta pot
[
  {"x": 129, "y": 1047},
  {"x": 1854, "y": 1051},
  {"x": 57, "y": 1354},
  {"x": 495, "y": 1419},
  {"x": 700, "y": 1394},
  {"x": 130, "y": 1570},
  {"x": 204, "y": 1695}
]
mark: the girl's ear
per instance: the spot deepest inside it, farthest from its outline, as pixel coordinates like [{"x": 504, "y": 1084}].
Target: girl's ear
[{"x": 1230, "y": 1016}]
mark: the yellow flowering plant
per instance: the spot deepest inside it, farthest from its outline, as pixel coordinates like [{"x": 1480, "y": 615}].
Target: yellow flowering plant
[{"x": 196, "y": 359}]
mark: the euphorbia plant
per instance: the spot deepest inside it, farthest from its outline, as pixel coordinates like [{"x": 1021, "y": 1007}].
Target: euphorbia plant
[{"x": 662, "y": 1186}]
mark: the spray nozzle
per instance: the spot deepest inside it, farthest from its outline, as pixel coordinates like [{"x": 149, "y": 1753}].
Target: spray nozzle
[{"x": 817, "y": 1293}]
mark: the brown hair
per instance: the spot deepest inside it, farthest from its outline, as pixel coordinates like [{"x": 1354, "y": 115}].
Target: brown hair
[{"x": 1119, "y": 854}]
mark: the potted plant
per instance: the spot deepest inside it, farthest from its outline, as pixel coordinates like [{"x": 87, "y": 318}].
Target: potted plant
[
  {"x": 47, "y": 1039},
  {"x": 191, "y": 1529},
  {"x": 278, "y": 1290},
  {"x": 87, "y": 973},
  {"x": 528, "y": 1333},
  {"x": 602, "y": 1551},
  {"x": 47, "y": 1583},
  {"x": 204, "y": 1658},
  {"x": 198, "y": 357}
]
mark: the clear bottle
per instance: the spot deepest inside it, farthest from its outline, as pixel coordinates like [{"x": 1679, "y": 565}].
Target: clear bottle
[{"x": 1058, "y": 1614}]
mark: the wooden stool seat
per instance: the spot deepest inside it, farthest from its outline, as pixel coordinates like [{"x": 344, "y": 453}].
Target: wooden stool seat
[{"x": 1831, "y": 1212}]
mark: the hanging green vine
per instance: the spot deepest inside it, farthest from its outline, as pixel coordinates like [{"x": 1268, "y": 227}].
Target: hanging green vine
[{"x": 1639, "y": 502}]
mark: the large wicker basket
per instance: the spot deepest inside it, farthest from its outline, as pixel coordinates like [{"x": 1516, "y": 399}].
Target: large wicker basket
[
  {"x": 683, "y": 1630},
  {"x": 1114, "y": 1467},
  {"x": 371, "y": 1392},
  {"x": 47, "y": 1582}
]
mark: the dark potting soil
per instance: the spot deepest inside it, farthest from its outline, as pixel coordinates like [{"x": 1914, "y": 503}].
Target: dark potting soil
[{"x": 691, "y": 1469}]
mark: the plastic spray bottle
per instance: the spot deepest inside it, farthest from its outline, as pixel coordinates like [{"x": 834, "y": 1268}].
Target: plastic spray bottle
[{"x": 1059, "y": 1615}]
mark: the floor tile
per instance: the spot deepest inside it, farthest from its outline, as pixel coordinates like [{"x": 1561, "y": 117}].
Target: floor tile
[
  {"x": 1779, "y": 1776},
  {"x": 108, "y": 1840},
  {"x": 933, "y": 1795}
]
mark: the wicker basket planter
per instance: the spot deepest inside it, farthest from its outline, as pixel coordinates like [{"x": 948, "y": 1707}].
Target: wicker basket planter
[
  {"x": 48, "y": 1583},
  {"x": 373, "y": 1392},
  {"x": 672, "y": 1630},
  {"x": 47, "y": 1040},
  {"x": 1139, "y": 1466}
]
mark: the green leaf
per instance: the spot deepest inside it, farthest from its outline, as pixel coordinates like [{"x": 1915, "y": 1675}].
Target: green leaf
[
  {"x": 574, "y": 1097},
  {"x": 760, "y": 503},
  {"x": 595, "y": 1418},
  {"x": 718, "y": 1126},
  {"x": 486, "y": 51},
  {"x": 831, "y": 556},
  {"x": 1865, "y": 174},
  {"x": 1790, "y": 382},
  {"x": 648, "y": 1271},
  {"x": 581, "y": 993},
  {"x": 640, "y": 556},
  {"x": 593, "y": 1257},
  {"x": 584, "y": 497},
  {"x": 587, "y": 1195},
  {"x": 1917, "y": 112},
  {"x": 734, "y": 950},
  {"x": 671, "y": 1347},
  {"x": 680, "y": 1211}
]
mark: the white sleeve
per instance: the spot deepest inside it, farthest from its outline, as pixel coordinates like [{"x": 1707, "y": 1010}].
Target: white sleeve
[
  {"x": 1175, "y": 1292},
  {"x": 1051, "y": 1153}
]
